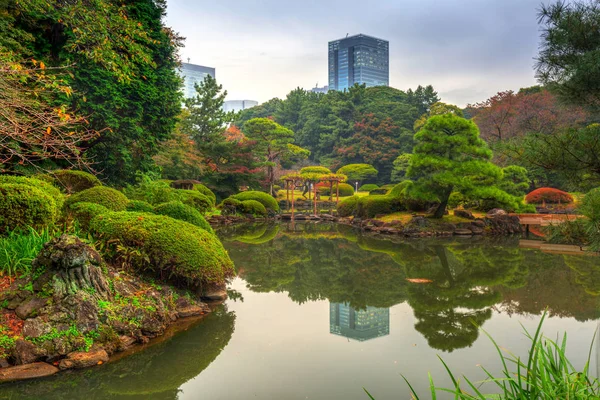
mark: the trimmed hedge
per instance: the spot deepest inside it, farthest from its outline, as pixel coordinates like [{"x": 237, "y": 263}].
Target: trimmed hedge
[
  {"x": 84, "y": 212},
  {"x": 368, "y": 187},
  {"x": 140, "y": 206},
  {"x": 345, "y": 190},
  {"x": 408, "y": 202},
  {"x": 194, "y": 199},
  {"x": 371, "y": 206},
  {"x": 108, "y": 197},
  {"x": 75, "y": 181},
  {"x": 379, "y": 191},
  {"x": 23, "y": 206},
  {"x": 183, "y": 212},
  {"x": 170, "y": 248},
  {"x": 253, "y": 207},
  {"x": 207, "y": 192},
  {"x": 266, "y": 199},
  {"x": 46, "y": 186},
  {"x": 347, "y": 207},
  {"x": 548, "y": 195}
]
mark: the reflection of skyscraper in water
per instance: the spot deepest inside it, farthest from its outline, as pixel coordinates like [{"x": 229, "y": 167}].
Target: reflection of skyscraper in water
[{"x": 361, "y": 325}]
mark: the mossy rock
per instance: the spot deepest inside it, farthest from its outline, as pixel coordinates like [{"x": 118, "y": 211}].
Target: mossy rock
[
  {"x": 140, "y": 206},
  {"x": 266, "y": 199},
  {"x": 84, "y": 212},
  {"x": 108, "y": 197},
  {"x": 230, "y": 206},
  {"x": 207, "y": 192},
  {"x": 253, "y": 207},
  {"x": 73, "y": 181},
  {"x": 44, "y": 185},
  {"x": 23, "y": 206},
  {"x": 183, "y": 252},
  {"x": 194, "y": 199},
  {"x": 183, "y": 212}
]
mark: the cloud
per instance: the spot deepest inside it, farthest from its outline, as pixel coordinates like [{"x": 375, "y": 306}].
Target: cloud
[{"x": 467, "y": 49}]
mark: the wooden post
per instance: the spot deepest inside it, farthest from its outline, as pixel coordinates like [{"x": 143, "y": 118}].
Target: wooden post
[
  {"x": 330, "y": 190},
  {"x": 315, "y": 198},
  {"x": 337, "y": 189},
  {"x": 293, "y": 186},
  {"x": 287, "y": 194},
  {"x": 309, "y": 190}
]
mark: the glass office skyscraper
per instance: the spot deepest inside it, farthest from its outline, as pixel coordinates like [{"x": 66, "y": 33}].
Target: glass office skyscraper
[
  {"x": 193, "y": 74},
  {"x": 359, "y": 59}
]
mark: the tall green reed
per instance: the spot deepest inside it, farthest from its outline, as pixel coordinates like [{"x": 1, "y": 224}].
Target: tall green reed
[{"x": 19, "y": 248}]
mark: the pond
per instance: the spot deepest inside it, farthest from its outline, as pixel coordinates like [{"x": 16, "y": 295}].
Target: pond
[{"x": 319, "y": 311}]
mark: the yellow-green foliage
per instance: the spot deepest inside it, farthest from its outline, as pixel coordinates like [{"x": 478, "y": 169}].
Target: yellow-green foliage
[
  {"x": 140, "y": 206},
  {"x": 347, "y": 207},
  {"x": 194, "y": 199},
  {"x": 172, "y": 248},
  {"x": 46, "y": 186},
  {"x": 253, "y": 207},
  {"x": 108, "y": 197},
  {"x": 207, "y": 192},
  {"x": 345, "y": 190},
  {"x": 317, "y": 169},
  {"x": 23, "y": 206},
  {"x": 75, "y": 181},
  {"x": 267, "y": 200},
  {"x": 183, "y": 212},
  {"x": 84, "y": 212}
]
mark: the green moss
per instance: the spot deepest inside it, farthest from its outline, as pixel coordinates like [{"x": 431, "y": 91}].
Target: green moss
[
  {"x": 169, "y": 247},
  {"x": 23, "y": 206},
  {"x": 183, "y": 212},
  {"x": 267, "y": 200},
  {"x": 194, "y": 199},
  {"x": 140, "y": 206},
  {"x": 75, "y": 181},
  {"x": 253, "y": 207},
  {"x": 108, "y": 197},
  {"x": 207, "y": 192},
  {"x": 47, "y": 187},
  {"x": 84, "y": 212}
]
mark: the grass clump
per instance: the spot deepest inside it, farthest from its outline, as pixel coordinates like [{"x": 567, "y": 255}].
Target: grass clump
[
  {"x": 23, "y": 206},
  {"x": 183, "y": 212},
  {"x": 170, "y": 248},
  {"x": 266, "y": 199},
  {"x": 73, "y": 181},
  {"x": 108, "y": 197},
  {"x": 19, "y": 248}
]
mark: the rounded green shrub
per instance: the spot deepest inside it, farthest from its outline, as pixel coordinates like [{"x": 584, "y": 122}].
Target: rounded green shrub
[
  {"x": 140, "y": 206},
  {"x": 368, "y": 187},
  {"x": 152, "y": 192},
  {"x": 401, "y": 191},
  {"x": 379, "y": 191},
  {"x": 84, "y": 212},
  {"x": 266, "y": 199},
  {"x": 230, "y": 206},
  {"x": 23, "y": 206},
  {"x": 194, "y": 199},
  {"x": 46, "y": 186},
  {"x": 254, "y": 207},
  {"x": 75, "y": 181},
  {"x": 371, "y": 206},
  {"x": 207, "y": 192},
  {"x": 345, "y": 190},
  {"x": 170, "y": 248},
  {"x": 347, "y": 207},
  {"x": 315, "y": 169},
  {"x": 108, "y": 197},
  {"x": 183, "y": 212}
]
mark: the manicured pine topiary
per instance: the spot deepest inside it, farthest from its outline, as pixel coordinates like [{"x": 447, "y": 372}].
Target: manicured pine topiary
[
  {"x": 170, "y": 248},
  {"x": 253, "y": 207},
  {"x": 183, "y": 212},
  {"x": 108, "y": 197},
  {"x": 46, "y": 186},
  {"x": 23, "y": 206},
  {"x": 267, "y": 200},
  {"x": 73, "y": 181},
  {"x": 84, "y": 212}
]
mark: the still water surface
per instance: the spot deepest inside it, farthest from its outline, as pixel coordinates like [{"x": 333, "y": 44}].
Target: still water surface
[{"x": 319, "y": 312}]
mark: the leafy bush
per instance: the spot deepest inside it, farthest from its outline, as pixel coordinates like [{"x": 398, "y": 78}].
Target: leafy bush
[
  {"x": 207, "y": 192},
  {"x": 230, "y": 206},
  {"x": 84, "y": 212},
  {"x": 46, "y": 186},
  {"x": 368, "y": 187},
  {"x": 548, "y": 195},
  {"x": 194, "y": 199},
  {"x": 379, "y": 191},
  {"x": 371, "y": 206},
  {"x": 108, "y": 197},
  {"x": 590, "y": 207},
  {"x": 175, "y": 249},
  {"x": 152, "y": 192},
  {"x": 140, "y": 206},
  {"x": 75, "y": 181},
  {"x": 409, "y": 202},
  {"x": 358, "y": 172},
  {"x": 347, "y": 207},
  {"x": 345, "y": 190},
  {"x": 253, "y": 207},
  {"x": 456, "y": 199},
  {"x": 183, "y": 212},
  {"x": 24, "y": 206},
  {"x": 266, "y": 199},
  {"x": 567, "y": 232}
]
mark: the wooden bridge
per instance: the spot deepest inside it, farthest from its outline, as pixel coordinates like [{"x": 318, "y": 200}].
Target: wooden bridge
[{"x": 545, "y": 219}]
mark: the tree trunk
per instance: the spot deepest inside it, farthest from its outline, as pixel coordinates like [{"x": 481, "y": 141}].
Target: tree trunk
[{"x": 441, "y": 210}]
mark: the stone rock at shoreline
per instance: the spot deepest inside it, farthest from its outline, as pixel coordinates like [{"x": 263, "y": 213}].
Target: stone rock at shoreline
[
  {"x": 36, "y": 327},
  {"x": 479, "y": 223},
  {"x": 504, "y": 225},
  {"x": 29, "y": 371},
  {"x": 125, "y": 342},
  {"x": 447, "y": 227},
  {"x": 82, "y": 359},
  {"x": 26, "y": 352},
  {"x": 476, "y": 230},
  {"x": 29, "y": 308},
  {"x": 464, "y": 214},
  {"x": 495, "y": 212},
  {"x": 215, "y": 295},
  {"x": 419, "y": 221},
  {"x": 463, "y": 232},
  {"x": 192, "y": 310}
]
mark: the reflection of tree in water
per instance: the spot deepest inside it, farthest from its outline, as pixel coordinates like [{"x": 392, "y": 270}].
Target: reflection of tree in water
[{"x": 154, "y": 373}]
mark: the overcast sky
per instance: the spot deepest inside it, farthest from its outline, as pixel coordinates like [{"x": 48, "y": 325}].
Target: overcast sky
[{"x": 467, "y": 49}]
